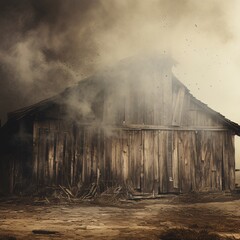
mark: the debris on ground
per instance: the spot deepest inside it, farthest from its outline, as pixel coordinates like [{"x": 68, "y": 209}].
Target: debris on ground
[
  {"x": 114, "y": 195},
  {"x": 91, "y": 193}
]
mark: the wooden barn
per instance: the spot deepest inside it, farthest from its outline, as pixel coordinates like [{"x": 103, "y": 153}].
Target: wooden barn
[{"x": 133, "y": 123}]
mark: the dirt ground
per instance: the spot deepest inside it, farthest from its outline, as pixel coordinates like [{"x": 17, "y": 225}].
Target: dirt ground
[{"x": 22, "y": 218}]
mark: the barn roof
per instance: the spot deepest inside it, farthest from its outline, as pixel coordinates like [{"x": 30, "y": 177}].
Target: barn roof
[
  {"x": 232, "y": 125},
  {"x": 107, "y": 75}
]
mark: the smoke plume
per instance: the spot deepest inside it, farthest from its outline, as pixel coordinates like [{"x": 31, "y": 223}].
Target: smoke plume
[{"x": 48, "y": 45}]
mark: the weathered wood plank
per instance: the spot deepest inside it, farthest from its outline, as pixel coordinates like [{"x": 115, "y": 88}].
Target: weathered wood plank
[
  {"x": 214, "y": 160},
  {"x": 73, "y": 156},
  {"x": 167, "y": 96},
  {"x": 118, "y": 156},
  {"x": 35, "y": 151},
  {"x": 45, "y": 156},
  {"x": 114, "y": 158},
  {"x": 185, "y": 110},
  {"x": 88, "y": 154},
  {"x": 132, "y": 153},
  {"x": 218, "y": 152},
  {"x": 68, "y": 158},
  {"x": 41, "y": 156},
  {"x": 142, "y": 161},
  {"x": 65, "y": 160},
  {"x": 60, "y": 158},
  {"x": 226, "y": 177},
  {"x": 108, "y": 159},
  {"x": 51, "y": 157},
  {"x": 205, "y": 162},
  {"x": 148, "y": 161},
  {"x": 155, "y": 163},
  {"x": 148, "y": 101},
  {"x": 140, "y": 109},
  {"x": 218, "y": 156},
  {"x": 169, "y": 161},
  {"x": 138, "y": 158},
  {"x": 125, "y": 155},
  {"x": 185, "y": 153},
  {"x": 231, "y": 161},
  {"x": 128, "y": 106},
  {"x": 194, "y": 160},
  {"x": 178, "y": 108},
  {"x": 175, "y": 161},
  {"x": 158, "y": 98},
  {"x": 163, "y": 157},
  {"x": 182, "y": 153},
  {"x": 79, "y": 156},
  {"x": 94, "y": 155}
]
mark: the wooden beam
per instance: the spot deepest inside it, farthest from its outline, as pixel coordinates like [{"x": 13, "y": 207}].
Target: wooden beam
[{"x": 156, "y": 127}]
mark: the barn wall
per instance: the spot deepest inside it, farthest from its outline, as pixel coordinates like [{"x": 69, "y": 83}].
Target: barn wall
[
  {"x": 145, "y": 99},
  {"x": 153, "y": 98},
  {"x": 158, "y": 156},
  {"x": 159, "y": 161},
  {"x": 16, "y": 156},
  {"x": 5, "y": 168}
]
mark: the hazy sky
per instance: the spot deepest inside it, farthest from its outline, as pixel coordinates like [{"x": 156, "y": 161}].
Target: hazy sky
[{"x": 50, "y": 44}]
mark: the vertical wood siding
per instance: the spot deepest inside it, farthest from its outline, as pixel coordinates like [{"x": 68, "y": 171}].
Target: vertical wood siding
[{"x": 152, "y": 161}]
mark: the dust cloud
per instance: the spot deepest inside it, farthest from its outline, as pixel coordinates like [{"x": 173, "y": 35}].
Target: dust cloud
[{"x": 47, "y": 46}]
